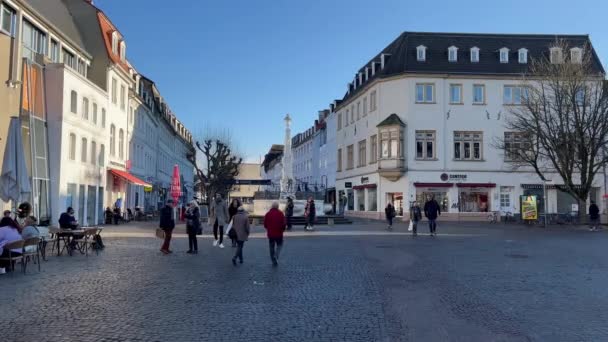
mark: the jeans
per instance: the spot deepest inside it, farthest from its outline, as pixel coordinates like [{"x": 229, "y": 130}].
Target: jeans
[
  {"x": 192, "y": 242},
  {"x": 288, "y": 222},
  {"x": 432, "y": 225},
  {"x": 167, "y": 241},
  {"x": 272, "y": 242},
  {"x": 239, "y": 250},
  {"x": 390, "y": 220},
  {"x": 414, "y": 227},
  {"x": 310, "y": 220},
  {"x": 218, "y": 229}
]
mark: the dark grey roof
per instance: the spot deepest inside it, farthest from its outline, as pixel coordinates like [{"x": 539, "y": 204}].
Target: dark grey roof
[
  {"x": 403, "y": 57},
  {"x": 57, "y": 15},
  {"x": 391, "y": 120}
]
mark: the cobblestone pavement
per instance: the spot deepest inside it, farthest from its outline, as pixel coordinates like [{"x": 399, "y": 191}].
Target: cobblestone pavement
[{"x": 471, "y": 283}]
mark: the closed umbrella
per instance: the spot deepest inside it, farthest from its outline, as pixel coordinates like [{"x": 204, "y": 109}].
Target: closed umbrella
[{"x": 14, "y": 181}]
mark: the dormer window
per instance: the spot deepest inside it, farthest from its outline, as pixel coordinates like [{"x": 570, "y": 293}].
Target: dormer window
[
  {"x": 115, "y": 42},
  {"x": 475, "y": 54},
  {"x": 556, "y": 55},
  {"x": 123, "y": 51},
  {"x": 522, "y": 56},
  {"x": 576, "y": 55},
  {"x": 453, "y": 54},
  {"x": 504, "y": 55},
  {"x": 421, "y": 53}
]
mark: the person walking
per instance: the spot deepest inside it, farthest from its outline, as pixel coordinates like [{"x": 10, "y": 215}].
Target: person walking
[
  {"x": 310, "y": 213},
  {"x": 343, "y": 201},
  {"x": 240, "y": 225},
  {"x": 193, "y": 226},
  {"x": 415, "y": 216},
  {"x": 167, "y": 223},
  {"x": 289, "y": 212},
  {"x": 431, "y": 211},
  {"x": 219, "y": 214},
  {"x": 274, "y": 222},
  {"x": 232, "y": 210},
  {"x": 389, "y": 212},
  {"x": 594, "y": 216}
]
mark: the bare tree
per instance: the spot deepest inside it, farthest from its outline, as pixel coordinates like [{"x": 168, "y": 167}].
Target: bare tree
[{"x": 561, "y": 125}]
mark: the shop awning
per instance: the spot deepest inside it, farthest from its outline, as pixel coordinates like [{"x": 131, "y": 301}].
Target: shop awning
[
  {"x": 434, "y": 185},
  {"x": 364, "y": 186},
  {"x": 476, "y": 185},
  {"x": 129, "y": 177}
]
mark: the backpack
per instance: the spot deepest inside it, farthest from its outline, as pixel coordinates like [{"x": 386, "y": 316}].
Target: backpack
[{"x": 98, "y": 242}]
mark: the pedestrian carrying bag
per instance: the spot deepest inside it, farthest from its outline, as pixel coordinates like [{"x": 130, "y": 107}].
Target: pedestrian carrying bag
[
  {"x": 229, "y": 229},
  {"x": 411, "y": 227},
  {"x": 160, "y": 233}
]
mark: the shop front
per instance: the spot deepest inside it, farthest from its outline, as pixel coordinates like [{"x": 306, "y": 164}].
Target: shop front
[
  {"x": 438, "y": 191},
  {"x": 474, "y": 197},
  {"x": 123, "y": 183}
]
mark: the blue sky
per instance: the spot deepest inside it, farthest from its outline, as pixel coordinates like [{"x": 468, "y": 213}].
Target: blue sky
[{"x": 242, "y": 64}]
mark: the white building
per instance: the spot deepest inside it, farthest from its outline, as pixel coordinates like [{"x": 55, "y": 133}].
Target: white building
[
  {"x": 421, "y": 118},
  {"x": 302, "y": 149}
]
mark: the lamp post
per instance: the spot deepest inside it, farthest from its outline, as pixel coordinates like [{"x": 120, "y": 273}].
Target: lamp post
[{"x": 545, "y": 198}]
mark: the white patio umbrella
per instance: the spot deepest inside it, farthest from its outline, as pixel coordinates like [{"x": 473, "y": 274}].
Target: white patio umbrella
[{"x": 14, "y": 180}]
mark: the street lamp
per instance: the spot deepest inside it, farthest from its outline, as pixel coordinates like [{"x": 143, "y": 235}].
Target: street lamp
[{"x": 545, "y": 198}]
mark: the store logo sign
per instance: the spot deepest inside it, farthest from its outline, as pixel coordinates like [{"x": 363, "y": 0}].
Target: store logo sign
[{"x": 453, "y": 177}]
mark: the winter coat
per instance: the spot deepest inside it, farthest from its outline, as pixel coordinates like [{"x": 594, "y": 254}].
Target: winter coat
[
  {"x": 219, "y": 212},
  {"x": 240, "y": 224},
  {"x": 389, "y": 212},
  {"x": 289, "y": 209},
  {"x": 193, "y": 220},
  {"x": 416, "y": 214},
  {"x": 166, "y": 218},
  {"x": 311, "y": 211},
  {"x": 232, "y": 210},
  {"x": 594, "y": 212},
  {"x": 274, "y": 222},
  {"x": 432, "y": 210}
]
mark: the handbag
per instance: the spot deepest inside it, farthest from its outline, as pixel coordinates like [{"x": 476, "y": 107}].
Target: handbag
[
  {"x": 228, "y": 228},
  {"x": 411, "y": 227},
  {"x": 160, "y": 233}
]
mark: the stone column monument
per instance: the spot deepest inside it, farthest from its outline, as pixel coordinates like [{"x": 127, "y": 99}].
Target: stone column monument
[{"x": 287, "y": 181}]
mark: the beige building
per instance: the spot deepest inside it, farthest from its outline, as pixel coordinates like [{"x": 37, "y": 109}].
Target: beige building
[{"x": 242, "y": 192}]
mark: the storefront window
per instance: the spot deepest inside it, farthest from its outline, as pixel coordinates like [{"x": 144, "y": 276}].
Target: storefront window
[
  {"x": 372, "y": 200},
  {"x": 473, "y": 201},
  {"x": 396, "y": 198},
  {"x": 351, "y": 199},
  {"x": 424, "y": 195},
  {"x": 361, "y": 199}
]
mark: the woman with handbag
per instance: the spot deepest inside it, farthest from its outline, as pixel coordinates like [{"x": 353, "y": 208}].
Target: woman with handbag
[
  {"x": 232, "y": 210},
  {"x": 193, "y": 226}
]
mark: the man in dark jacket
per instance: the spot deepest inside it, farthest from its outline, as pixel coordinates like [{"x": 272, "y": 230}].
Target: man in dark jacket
[
  {"x": 167, "y": 223},
  {"x": 594, "y": 216},
  {"x": 274, "y": 222},
  {"x": 431, "y": 212},
  {"x": 415, "y": 216}
]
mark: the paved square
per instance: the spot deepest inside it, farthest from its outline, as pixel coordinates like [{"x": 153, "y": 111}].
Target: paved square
[{"x": 350, "y": 283}]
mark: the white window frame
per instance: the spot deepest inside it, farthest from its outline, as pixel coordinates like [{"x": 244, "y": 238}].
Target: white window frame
[
  {"x": 123, "y": 51},
  {"x": 83, "y": 149},
  {"x": 114, "y": 90},
  {"x": 483, "y": 94},
  {"x": 421, "y": 53},
  {"x": 474, "y": 54},
  {"x": 511, "y": 93},
  {"x": 452, "y": 54},
  {"x": 73, "y": 102},
  {"x": 115, "y": 42},
  {"x": 373, "y": 142},
  {"x": 424, "y": 137},
  {"x": 13, "y": 15},
  {"x": 461, "y": 139},
  {"x": 373, "y": 105},
  {"x": 459, "y": 88},
  {"x": 72, "y": 146},
  {"x": 504, "y": 55},
  {"x": 425, "y": 93},
  {"x": 85, "y": 108},
  {"x": 350, "y": 157},
  {"x": 123, "y": 97},
  {"x": 576, "y": 55},
  {"x": 362, "y": 153},
  {"x": 512, "y": 138},
  {"x": 558, "y": 58},
  {"x": 522, "y": 56}
]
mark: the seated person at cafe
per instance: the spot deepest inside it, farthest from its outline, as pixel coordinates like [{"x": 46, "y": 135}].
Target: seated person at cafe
[
  {"x": 7, "y": 213},
  {"x": 30, "y": 231},
  {"x": 9, "y": 232},
  {"x": 68, "y": 221}
]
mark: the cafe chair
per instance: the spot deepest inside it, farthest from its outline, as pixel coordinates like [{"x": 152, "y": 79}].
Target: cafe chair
[
  {"x": 31, "y": 250},
  {"x": 12, "y": 259}
]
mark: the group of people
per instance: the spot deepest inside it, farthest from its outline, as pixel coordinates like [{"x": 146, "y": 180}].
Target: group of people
[
  {"x": 21, "y": 226},
  {"x": 432, "y": 210},
  {"x": 235, "y": 220}
]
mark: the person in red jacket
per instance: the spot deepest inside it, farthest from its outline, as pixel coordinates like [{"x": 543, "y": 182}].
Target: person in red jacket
[{"x": 274, "y": 222}]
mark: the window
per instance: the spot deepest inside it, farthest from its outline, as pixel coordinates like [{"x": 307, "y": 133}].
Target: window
[
  {"x": 352, "y": 114},
  {"x": 346, "y": 119},
  {"x": 556, "y": 55},
  {"x": 123, "y": 95},
  {"x": 479, "y": 94},
  {"x": 8, "y": 19},
  {"x": 362, "y": 161},
  {"x": 453, "y": 54},
  {"x": 103, "y": 117},
  {"x": 54, "y": 51},
  {"x": 513, "y": 95},
  {"x": 82, "y": 67},
  {"x": 374, "y": 148},
  {"x": 95, "y": 113},
  {"x": 455, "y": 93},
  {"x": 468, "y": 145},
  {"x": 365, "y": 106},
  {"x": 504, "y": 55},
  {"x": 358, "y": 111},
  {"x": 112, "y": 140},
  {"x": 102, "y": 155},
  {"x": 474, "y": 54},
  {"x": 372, "y": 101},
  {"x": 514, "y": 142},
  {"x": 85, "y": 108},
  {"x": 34, "y": 41},
  {"x": 121, "y": 144},
  {"x": 123, "y": 51},
  {"x": 115, "y": 42},
  {"x": 339, "y": 121},
  {"x": 93, "y": 152},
  {"x": 522, "y": 56},
  {"x": 421, "y": 53},
  {"x": 390, "y": 144},
  {"x": 425, "y": 145},
  {"x": 576, "y": 55},
  {"x": 114, "y": 90},
  {"x": 69, "y": 59},
  {"x": 425, "y": 92},
  {"x": 579, "y": 97},
  {"x": 505, "y": 200},
  {"x": 372, "y": 204},
  {"x": 74, "y": 102},
  {"x": 83, "y": 150},
  {"x": 72, "y": 146},
  {"x": 350, "y": 162},
  {"x": 360, "y": 199}
]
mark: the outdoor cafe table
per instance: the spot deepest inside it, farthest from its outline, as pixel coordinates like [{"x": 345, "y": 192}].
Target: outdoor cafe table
[{"x": 69, "y": 234}]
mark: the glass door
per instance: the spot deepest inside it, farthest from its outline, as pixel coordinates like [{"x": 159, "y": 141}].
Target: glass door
[{"x": 91, "y": 205}]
